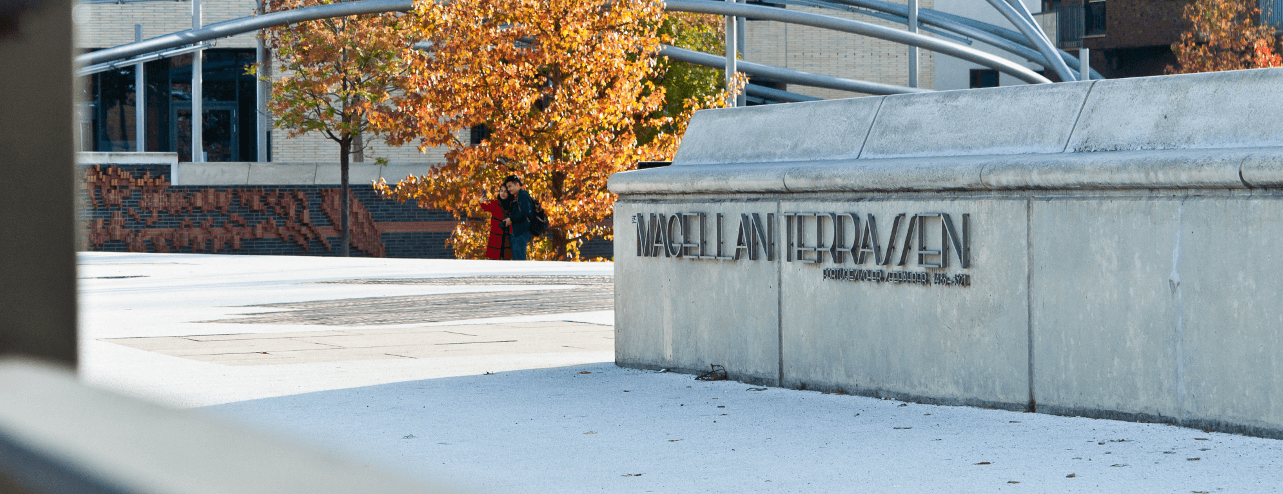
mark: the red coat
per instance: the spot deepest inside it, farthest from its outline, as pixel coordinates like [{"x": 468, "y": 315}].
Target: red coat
[{"x": 500, "y": 245}]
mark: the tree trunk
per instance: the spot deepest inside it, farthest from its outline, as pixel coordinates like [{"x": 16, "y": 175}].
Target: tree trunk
[
  {"x": 555, "y": 234},
  {"x": 345, "y": 208}
]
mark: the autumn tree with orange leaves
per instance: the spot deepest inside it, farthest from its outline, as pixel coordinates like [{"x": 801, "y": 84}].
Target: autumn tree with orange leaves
[
  {"x": 337, "y": 73},
  {"x": 565, "y": 89},
  {"x": 1225, "y": 35}
]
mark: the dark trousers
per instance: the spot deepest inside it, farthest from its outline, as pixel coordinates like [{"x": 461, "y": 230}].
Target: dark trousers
[{"x": 519, "y": 243}]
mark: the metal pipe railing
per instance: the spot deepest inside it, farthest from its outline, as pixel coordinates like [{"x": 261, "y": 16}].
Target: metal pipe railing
[
  {"x": 863, "y": 28},
  {"x": 786, "y": 75},
  {"x": 244, "y": 25}
]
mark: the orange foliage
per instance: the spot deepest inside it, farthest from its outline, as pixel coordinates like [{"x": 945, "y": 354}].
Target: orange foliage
[
  {"x": 565, "y": 89},
  {"x": 1224, "y": 35},
  {"x": 337, "y": 72}
]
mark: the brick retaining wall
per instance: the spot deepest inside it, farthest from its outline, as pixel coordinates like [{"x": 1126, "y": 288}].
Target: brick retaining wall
[{"x": 134, "y": 208}]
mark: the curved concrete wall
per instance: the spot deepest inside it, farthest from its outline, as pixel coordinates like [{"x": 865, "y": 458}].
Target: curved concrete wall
[{"x": 1120, "y": 239}]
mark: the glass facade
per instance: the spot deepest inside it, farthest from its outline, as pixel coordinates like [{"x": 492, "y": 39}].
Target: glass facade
[{"x": 228, "y": 104}]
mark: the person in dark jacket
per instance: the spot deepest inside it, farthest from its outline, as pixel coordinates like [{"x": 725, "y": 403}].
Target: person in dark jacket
[
  {"x": 519, "y": 217},
  {"x": 500, "y": 242}
]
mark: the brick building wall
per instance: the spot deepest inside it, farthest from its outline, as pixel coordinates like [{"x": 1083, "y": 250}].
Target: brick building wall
[
  {"x": 316, "y": 147},
  {"x": 104, "y": 25},
  {"x": 834, "y": 53},
  {"x": 134, "y": 208},
  {"x": 1138, "y": 37},
  {"x": 1137, "y": 23}
]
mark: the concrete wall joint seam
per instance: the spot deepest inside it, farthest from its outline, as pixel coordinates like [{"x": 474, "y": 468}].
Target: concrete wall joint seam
[
  {"x": 1070, "y": 138},
  {"x": 869, "y": 131}
]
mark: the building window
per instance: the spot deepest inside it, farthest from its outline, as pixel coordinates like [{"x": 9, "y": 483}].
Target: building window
[
  {"x": 1094, "y": 19},
  {"x": 984, "y": 78},
  {"x": 228, "y": 105}
]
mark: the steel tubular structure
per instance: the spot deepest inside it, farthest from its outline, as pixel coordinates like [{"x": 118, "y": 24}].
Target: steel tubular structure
[
  {"x": 1029, "y": 45},
  {"x": 998, "y": 37},
  {"x": 776, "y": 94},
  {"x": 244, "y": 25},
  {"x": 1033, "y": 34},
  {"x": 863, "y": 28},
  {"x": 786, "y": 75}
]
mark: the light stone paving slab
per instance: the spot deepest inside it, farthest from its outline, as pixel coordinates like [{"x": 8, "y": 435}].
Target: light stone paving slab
[
  {"x": 256, "y": 336},
  {"x": 521, "y": 422}
]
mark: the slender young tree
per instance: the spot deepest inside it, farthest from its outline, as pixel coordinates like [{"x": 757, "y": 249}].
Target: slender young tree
[
  {"x": 565, "y": 89},
  {"x": 1225, "y": 35},
  {"x": 336, "y": 73}
]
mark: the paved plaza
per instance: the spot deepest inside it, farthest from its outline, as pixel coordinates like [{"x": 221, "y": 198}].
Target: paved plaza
[{"x": 499, "y": 377}]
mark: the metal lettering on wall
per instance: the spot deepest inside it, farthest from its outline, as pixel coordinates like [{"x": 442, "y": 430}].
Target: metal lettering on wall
[{"x": 926, "y": 240}]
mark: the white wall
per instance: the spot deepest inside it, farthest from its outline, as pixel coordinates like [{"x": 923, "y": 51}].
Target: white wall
[{"x": 953, "y": 73}]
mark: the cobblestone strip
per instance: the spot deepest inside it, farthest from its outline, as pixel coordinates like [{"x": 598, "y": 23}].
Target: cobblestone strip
[{"x": 414, "y": 309}]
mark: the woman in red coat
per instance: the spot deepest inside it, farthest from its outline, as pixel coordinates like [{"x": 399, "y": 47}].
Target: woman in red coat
[{"x": 500, "y": 244}]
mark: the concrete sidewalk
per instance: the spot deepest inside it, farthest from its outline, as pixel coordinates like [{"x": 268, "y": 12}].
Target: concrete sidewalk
[{"x": 498, "y": 377}]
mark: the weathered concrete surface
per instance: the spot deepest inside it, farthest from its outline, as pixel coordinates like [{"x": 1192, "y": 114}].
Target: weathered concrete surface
[
  {"x": 1193, "y": 111},
  {"x": 1170, "y": 310},
  {"x": 780, "y": 133},
  {"x": 281, "y": 173},
  {"x": 395, "y": 173},
  {"x": 1127, "y": 170},
  {"x": 357, "y": 173},
  {"x": 685, "y": 314},
  {"x": 1008, "y": 120},
  {"x": 1123, "y": 236},
  {"x": 213, "y": 173},
  {"x": 927, "y": 342}
]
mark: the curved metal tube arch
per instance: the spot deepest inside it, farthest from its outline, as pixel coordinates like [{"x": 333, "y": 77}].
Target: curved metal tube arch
[
  {"x": 993, "y": 35},
  {"x": 243, "y": 25},
  {"x": 862, "y": 28},
  {"x": 1033, "y": 35},
  {"x": 776, "y": 94},
  {"x": 786, "y": 75},
  {"x": 998, "y": 37}
]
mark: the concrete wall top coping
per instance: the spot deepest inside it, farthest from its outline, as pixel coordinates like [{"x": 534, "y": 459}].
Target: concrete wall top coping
[
  {"x": 1210, "y": 130},
  {"x": 291, "y": 173},
  {"x": 91, "y": 158},
  {"x": 1219, "y": 169}
]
